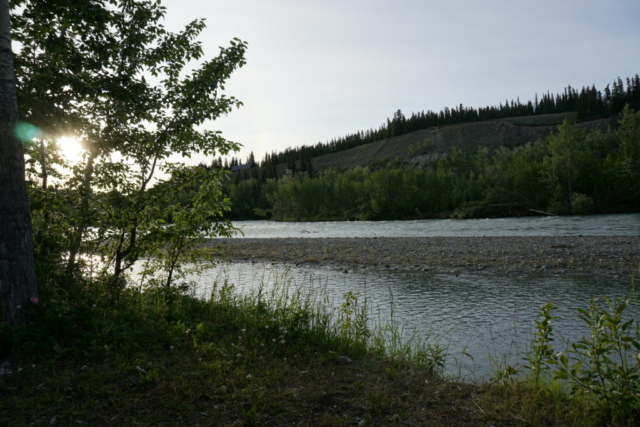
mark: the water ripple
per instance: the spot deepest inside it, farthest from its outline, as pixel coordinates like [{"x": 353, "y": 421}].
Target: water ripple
[{"x": 475, "y": 315}]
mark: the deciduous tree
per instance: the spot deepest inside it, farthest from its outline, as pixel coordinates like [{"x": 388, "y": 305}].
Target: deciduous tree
[
  {"x": 566, "y": 166},
  {"x": 136, "y": 95}
]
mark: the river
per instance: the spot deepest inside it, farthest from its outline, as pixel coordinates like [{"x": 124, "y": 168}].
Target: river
[
  {"x": 483, "y": 322},
  {"x": 591, "y": 225}
]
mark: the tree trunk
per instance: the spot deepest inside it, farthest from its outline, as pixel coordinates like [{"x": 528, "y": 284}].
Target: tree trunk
[
  {"x": 83, "y": 215},
  {"x": 17, "y": 274}
]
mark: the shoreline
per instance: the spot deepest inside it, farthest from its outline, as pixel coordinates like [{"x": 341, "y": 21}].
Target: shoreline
[{"x": 616, "y": 257}]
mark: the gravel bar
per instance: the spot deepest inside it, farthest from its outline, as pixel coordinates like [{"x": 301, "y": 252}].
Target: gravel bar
[{"x": 605, "y": 256}]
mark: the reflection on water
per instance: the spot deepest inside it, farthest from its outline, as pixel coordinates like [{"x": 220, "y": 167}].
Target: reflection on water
[
  {"x": 591, "y": 225},
  {"x": 475, "y": 315}
]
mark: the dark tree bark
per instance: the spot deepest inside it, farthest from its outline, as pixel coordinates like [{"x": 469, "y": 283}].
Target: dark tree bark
[{"x": 17, "y": 274}]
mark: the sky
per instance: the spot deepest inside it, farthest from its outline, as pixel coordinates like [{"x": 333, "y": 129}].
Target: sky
[{"x": 318, "y": 70}]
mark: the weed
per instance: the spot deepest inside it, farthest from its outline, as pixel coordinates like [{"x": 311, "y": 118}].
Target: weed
[
  {"x": 541, "y": 355},
  {"x": 607, "y": 363},
  {"x": 352, "y": 319}
]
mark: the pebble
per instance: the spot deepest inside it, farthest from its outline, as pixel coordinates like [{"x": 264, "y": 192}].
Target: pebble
[
  {"x": 614, "y": 256},
  {"x": 344, "y": 360}
]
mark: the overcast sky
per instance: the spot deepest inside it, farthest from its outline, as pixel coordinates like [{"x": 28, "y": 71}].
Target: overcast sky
[{"x": 325, "y": 68}]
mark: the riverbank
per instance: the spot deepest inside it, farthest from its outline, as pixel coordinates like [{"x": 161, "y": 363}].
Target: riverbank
[
  {"x": 603, "y": 256},
  {"x": 161, "y": 358}
]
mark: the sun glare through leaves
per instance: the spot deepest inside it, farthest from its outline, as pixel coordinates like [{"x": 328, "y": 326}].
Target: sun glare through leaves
[{"x": 71, "y": 148}]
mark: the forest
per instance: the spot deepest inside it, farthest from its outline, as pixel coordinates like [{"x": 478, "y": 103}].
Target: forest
[
  {"x": 587, "y": 103},
  {"x": 568, "y": 172}
]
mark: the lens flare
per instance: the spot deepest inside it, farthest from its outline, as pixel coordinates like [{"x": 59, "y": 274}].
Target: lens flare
[{"x": 26, "y": 131}]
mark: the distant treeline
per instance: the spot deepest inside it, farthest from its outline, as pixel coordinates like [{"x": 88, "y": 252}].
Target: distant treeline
[
  {"x": 588, "y": 102},
  {"x": 566, "y": 172}
]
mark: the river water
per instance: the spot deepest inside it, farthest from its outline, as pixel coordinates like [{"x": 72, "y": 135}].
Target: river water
[
  {"x": 591, "y": 225},
  {"x": 483, "y": 322}
]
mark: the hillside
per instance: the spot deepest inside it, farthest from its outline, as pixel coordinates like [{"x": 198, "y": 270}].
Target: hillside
[
  {"x": 425, "y": 147},
  {"x": 528, "y": 164}
]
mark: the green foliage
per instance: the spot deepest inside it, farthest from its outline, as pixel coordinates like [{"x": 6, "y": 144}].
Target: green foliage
[
  {"x": 628, "y": 152},
  {"x": 264, "y": 338},
  {"x": 160, "y": 356},
  {"x": 248, "y": 195},
  {"x": 581, "y": 203},
  {"x": 569, "y": 172},
  {"x": 135, "y": 95},
  {"x": 601, "y": 370},
  {"x": 606, "y": 364},
  {"x": 569, "y": 164},
  {"x": 541, "y": 355},
  {"x": 352, "y": 319},
  {"x": 90, "y": 323}
]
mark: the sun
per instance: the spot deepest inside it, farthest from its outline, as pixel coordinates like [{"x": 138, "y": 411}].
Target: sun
[{"x": 70, "y": 148}]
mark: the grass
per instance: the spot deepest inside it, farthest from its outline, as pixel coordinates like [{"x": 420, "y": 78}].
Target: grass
[{"x": 160, "y": 357}]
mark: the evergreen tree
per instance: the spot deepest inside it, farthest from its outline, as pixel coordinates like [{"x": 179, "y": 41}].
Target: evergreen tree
[
  {"x": 588, "y": 102},
  {"x": 251, "y": 161}
]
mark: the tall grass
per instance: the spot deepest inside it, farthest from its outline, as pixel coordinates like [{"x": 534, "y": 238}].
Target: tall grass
[
  {"x": 277, "y": 316},
  {"x": 596, "y": 381},
  {"x": 349, "y": 322}
]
